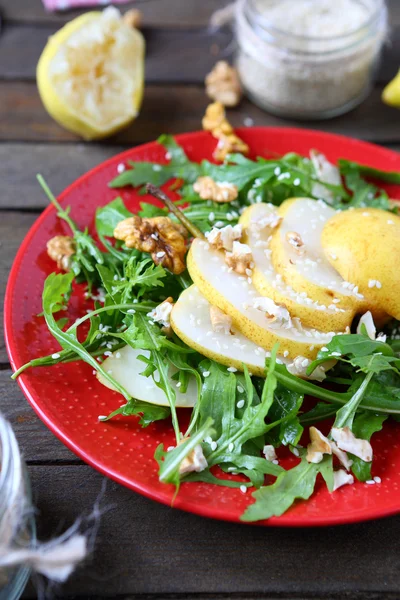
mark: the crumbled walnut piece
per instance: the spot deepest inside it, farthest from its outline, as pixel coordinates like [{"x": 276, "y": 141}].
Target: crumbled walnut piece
[
  {"x": 240, "y": 259},
  {"x": 319, "y": 446},
  {"x": 228, "y": 142},
  {"x": 269, "y": 452},
  {"x": 133, "y": 18},
  {"x": 275, "y": 313},
  {"x": 208, "y": 189},
  {"x": 194, "y": 461},
  {"x": 159, "y": 236},
  {"x": 60, "y": 249},
  {"x": 220, "y": 322},
  {"x": 347, "y": 441},
  {"x": 223, "y": 85},
  {"x": 294, "y": 239},
  {"x": 222, "y": 239},
  {"x": 340, "y": 478}
]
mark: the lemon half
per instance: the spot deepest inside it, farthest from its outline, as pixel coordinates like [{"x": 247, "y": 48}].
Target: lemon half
[{"x": 91, "y": 74}]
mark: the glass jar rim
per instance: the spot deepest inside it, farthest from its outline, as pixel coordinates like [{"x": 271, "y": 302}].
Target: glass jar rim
[{"x": 250, "y": 11}]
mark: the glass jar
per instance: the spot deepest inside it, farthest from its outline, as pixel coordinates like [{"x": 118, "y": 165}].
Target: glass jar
[
  {"x": 17, "y": 527},
  {"x": 289, "y": 71}
]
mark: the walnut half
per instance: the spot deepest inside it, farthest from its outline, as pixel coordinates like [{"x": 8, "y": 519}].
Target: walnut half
[
  {"x": 159, "y": 236},
  {"x": 60, "y": 249},
  {"x": 223, "y": 85},
  {"x": 208, "y": 189},
  {"x": 228, "y": 142}
]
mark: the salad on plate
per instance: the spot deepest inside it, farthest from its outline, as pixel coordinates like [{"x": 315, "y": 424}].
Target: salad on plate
[{"x": 265, "y": 300}]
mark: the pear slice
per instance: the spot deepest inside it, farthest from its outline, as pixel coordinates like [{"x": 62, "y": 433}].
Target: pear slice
[
  {"x": 235, "y": 295},
  {"x": 126, "y": 369},
  {"x": 366, "y": 245},
  {"x": 301, "y": 260},
  {"x": 269, "y": 283},
  {"x": 191, "y": 321}
]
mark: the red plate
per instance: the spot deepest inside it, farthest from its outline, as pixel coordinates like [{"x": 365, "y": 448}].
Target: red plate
[{"x": 69, "y": 399}]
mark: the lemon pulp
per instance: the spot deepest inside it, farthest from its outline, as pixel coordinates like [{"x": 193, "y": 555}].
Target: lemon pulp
[{"x": 90, "y": 75}]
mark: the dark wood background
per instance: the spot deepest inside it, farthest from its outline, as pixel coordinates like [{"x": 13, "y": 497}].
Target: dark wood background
[{"x": 144, "y": 550}]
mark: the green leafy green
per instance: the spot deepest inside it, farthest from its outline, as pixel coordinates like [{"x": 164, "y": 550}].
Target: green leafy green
[
  {"x": 148, "y": 412},
  {"x": 364, "y": 426},
  {"x": 273, "y": 500},
  {"x": 142, "y": 173},
  {"x": 108, "y": 217}
]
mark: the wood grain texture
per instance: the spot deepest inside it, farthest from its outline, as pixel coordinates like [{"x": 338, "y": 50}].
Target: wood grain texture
[
  {"x": 13, "y": 227},
  {"x": 159, "y": 13},
  {"x": 146, "y": 548},
  {"x": 37, "y": 443},
  {"x": 171, "y": 55},
  {"x": 60, "y": 164},
  {"x": 177, "y": 109}
]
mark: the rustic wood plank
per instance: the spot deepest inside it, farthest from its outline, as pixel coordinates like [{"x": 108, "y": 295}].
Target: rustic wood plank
[
  {"x": 179, "y": 56},
  {"x": 171, "y": 55},
  {"x": 177, "y": 109},
  {"x": 174, "y": 13},
  {"x": 145, "y": 548},
  {"x": 37, "y": 443},
  {"x": 13, "y": 227},
  {"x": 60, "y": 164}
]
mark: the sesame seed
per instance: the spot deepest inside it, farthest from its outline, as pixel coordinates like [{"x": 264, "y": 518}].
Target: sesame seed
[
  {"x": 277, "y": 171},
  {"x": 390, "y": 222},
  {"x": 296, "y": 181},
  {"x": 275, "y": 461},
  {"x": 232, "y": 369},
  {"x": 248, "y": 122},
  {"x": 206, "y": 373},
  {"x": 377, "y": 479},
  {"x": 286, "y": 353},
  {"x": 296, "y": 452},
  {"x": 211, "y": 216},
  {"x": 108, "y": 353},
  {"x": 240, "y": 389},
  {"x": 336, "y": 354},
  {"x": 378, "y": 284},
  {"x": 121, "y": 168},
  {"x": 230, "y": 447},
  {"x": 131, "y": 311},
  {"x": 370, "y": 482},
  {"x": 243, "y": 489},
  {"x": 213, "y": 446},
  {"x": 160, "y": 254},
  {"x": 240, "y": 404},
  {"x": 55, "y": 355},
  {"x": 102, "y": 417}
]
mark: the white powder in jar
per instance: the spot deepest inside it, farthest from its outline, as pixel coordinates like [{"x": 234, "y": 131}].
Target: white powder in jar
[{"x": 309, "y": 58}]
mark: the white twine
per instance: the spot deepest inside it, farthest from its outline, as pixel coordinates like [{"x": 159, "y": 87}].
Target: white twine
[{"x": 56, "y": 559}]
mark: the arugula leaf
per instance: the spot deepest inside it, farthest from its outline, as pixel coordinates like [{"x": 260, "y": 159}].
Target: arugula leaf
[
  {"x": 347, "y": 166},
  {"x": 346, "y": 414},
  {"x": 169, "y": 462},
  {"x": 364, "y": 193},
  {"x": 273, "y": 500},
  {"x": 285, "y": 408},
  {"x": 55, "y": 288},
  {"x": 108, "y": 217},
  {"x": 364, "y": 426},
  {"x": 369, "y": 355},
  {"x": 207, "y": 477},
  {"x": 147, "y": 172},
  {"x": 149, "y": 412}
]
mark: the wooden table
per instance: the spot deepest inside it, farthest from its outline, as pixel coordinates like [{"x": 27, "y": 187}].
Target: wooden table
[{"x": 144, "y": 550}]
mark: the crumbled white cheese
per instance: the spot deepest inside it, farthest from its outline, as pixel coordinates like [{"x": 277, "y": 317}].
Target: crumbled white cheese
[
  {"x": 276, "y": 314},
  {"x": 368, "y": 321},
  {"x": 269, "y": 452},
  {"x": 162, "y": 313},
  {"x": 347, "y": 441},
  {"x": 194, "y": 461},
  {"x": 341, "y": 478}
]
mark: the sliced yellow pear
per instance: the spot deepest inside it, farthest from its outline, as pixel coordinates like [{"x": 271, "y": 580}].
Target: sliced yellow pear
[
  {"x": 191, "y": 321},
  {"x": 268, "y": 282},
  {"x": 298, "y": 256},
  {"x": 126, "y": 369},
  {"x": 236, "y": 296},
  {"x": 366, "y": 245}
]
